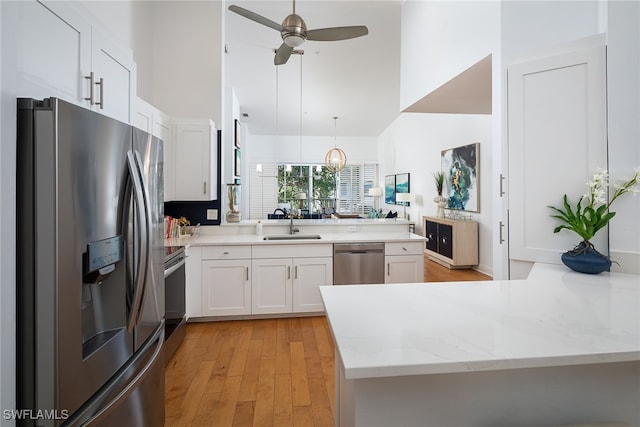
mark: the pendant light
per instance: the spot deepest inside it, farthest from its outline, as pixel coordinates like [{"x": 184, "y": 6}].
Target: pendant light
[{"x": 335, "y": 159}]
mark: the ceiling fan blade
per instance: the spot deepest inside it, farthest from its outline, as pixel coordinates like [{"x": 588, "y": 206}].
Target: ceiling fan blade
[
  {"x": 282, "y": 54},
  {"x": 255, "y": 17},
  {"x": 337, "y": 33}
]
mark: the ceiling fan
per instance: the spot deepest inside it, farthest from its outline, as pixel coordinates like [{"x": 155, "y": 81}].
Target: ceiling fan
[{"x": 294, "y": 31}]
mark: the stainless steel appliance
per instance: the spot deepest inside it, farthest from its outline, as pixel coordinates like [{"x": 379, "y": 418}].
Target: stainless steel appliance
[
  {"x": 358, "y": 263},
  {"x": 90, "y": 294},
  {"x": 174, "y": 297}
]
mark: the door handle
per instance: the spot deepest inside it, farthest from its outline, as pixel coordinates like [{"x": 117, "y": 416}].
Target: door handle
[
  {"x": 101, "y": 84},
  {"x": 91, "y": 82},
  {"x": 139, "y": 193},
  {"x": 289, "y": 272}
]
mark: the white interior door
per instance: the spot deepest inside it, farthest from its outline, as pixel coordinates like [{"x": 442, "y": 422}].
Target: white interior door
[{"x": 557, "y": 139}]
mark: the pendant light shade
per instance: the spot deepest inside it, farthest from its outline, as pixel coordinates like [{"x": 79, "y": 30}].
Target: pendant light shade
[{"x": 335, "y": 159}]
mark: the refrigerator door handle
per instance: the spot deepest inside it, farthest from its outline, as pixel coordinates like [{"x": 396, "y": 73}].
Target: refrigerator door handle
[
  {"x": 105, "y": 409},
  {"x": 143, "y": 259},
  {"x": 149, "y": 230}
]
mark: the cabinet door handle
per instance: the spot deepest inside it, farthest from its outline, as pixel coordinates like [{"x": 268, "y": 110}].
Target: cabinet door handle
[
  {"x": 90, "y": 78},
  {"x": 388, "y": 269},
  {"x": 502, "y": 178},
  {"x": 247, "y": 273},
  {"x": 101, "y": 84},
  {"x": 501, "y": 228},
  {"x": 295, "y": 272},
  {"x": 204, "y": 187},
  {"x": 444, "y": 240},
  {"x": 289, "y": 272}
]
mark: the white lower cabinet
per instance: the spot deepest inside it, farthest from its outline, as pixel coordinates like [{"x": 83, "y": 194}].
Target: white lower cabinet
[
  {"x": 404, "y": 262},
  {"x": 226, "y": 287},
  {"x": 226, "y": 280},
  {"x": 271, "y": 289},
  {"x": 308, "y": 275},
  {"x": 289, "y": 285},
  {"x": 291, "y": 282}
]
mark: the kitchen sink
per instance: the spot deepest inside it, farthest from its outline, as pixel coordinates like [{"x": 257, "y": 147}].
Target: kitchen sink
[{"x": 293, "y": 237}]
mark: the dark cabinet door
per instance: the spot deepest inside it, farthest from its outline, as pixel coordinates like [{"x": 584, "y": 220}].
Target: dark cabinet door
[
  {"x": 445, "y": 240},
  {"x": 432, "y": 235}
]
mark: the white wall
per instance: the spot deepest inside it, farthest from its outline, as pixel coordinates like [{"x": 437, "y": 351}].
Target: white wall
[
  {"x": 413, "y": 143},
  {"x": 440, "y": 39}
]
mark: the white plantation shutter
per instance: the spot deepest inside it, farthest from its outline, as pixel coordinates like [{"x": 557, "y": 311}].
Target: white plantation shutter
[
  {"x": 354, "y": 182},
  {"x": 264, "y": 190}
]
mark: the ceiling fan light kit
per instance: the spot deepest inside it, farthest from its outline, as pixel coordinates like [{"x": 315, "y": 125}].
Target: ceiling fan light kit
[{"x": 293, "y": 31}]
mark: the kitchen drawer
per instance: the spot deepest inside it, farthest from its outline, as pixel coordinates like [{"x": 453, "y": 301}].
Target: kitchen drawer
[
  {"x": 403, "y": 248},
  {"x": 226, "y": 252}
]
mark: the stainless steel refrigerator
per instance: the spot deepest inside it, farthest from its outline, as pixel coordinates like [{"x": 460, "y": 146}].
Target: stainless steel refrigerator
[{"x": 90, "y": 274}]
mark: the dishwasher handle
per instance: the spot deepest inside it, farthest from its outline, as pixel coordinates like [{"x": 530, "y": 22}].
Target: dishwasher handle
[{"x": 364, "y": 251}]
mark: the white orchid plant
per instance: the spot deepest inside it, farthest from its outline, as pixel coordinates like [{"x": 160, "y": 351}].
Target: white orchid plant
[{"x": 587, "y": 220}]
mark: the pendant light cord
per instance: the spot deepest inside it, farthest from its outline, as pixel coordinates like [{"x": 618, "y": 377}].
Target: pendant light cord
[{"x": 300, "y": 124}]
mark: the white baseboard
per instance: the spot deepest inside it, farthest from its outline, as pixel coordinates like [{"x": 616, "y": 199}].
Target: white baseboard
[
  {"x": 484, "y": 269},
  {"x": 625, "y": 262}
]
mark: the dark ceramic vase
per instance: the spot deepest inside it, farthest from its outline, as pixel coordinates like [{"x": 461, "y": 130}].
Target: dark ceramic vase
[{"x": 584, "y": 258}]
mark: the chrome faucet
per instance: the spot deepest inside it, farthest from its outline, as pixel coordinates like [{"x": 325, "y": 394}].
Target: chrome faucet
[{"x": 291, "y": 229}]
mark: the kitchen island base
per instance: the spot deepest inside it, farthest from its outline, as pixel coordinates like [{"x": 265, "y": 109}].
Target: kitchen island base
[{"x": 548, "y": 396}]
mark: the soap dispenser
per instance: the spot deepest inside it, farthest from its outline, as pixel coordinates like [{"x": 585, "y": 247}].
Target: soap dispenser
[{"x": 259, "y": 228}]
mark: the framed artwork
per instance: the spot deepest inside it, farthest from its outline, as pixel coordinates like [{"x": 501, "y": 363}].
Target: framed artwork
[
  {"x": 460, "y": 166},
  {"x": 390, "y": 189},
  {"x": 237, "y": 163},
  {"x": 236, "y": 132},
  {"x": 402, "y": 185}
]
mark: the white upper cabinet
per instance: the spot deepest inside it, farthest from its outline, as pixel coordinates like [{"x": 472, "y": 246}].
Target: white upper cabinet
[
  {"x": 113, "y": 75},
  {"x": 55, "y": 51},
  {"x": 63, "y": 55},
  {"x": 151, "y": 120},
  {"x": 195, "y": 160}
]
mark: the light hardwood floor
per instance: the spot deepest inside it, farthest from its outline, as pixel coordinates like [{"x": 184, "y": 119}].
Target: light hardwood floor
[{"x": 271, "y": 372}]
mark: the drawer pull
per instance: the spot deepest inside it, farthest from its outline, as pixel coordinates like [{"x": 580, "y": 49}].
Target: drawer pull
[
  {"x": 404, "y": 249},
  {"x": 226, "y": 252},
  {"x": 444, "y": 240}
]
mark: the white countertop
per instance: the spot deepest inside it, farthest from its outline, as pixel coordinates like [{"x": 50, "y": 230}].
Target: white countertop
[
  {"x": 555, "y": 317},
  {"x": 252, "y": 239}
]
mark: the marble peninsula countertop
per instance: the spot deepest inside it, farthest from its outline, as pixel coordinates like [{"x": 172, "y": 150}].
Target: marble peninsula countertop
[{"x": 555, "y": 317}]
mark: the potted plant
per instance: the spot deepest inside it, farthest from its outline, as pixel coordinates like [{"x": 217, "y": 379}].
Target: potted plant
[
  {"x": 441, "y": 202},
  {"x": 586, "y": 219}
]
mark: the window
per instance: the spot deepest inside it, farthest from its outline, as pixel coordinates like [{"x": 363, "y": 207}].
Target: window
[
  {"x": 354, "y": 182},
  {"x": 276, "y": 186}
]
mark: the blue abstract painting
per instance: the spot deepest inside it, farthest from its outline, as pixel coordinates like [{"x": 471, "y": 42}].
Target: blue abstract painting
[
  {"x": 461, "y": 185},
  {"x": 390, "y": 189}
]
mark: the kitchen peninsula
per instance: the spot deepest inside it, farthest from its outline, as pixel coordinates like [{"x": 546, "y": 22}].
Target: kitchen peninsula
[{"x": 554, "y": 349}]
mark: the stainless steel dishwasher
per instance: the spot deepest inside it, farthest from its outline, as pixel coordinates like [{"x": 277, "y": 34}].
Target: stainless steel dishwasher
[{"x": 358, "y": 263}]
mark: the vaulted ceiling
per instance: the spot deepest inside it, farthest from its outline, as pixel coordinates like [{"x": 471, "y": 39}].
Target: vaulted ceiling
[{"x": 357, "y": 80}]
